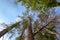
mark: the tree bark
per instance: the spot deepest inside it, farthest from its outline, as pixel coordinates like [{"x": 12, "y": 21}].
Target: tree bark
[
  {"x": 8, "y": 29},
  {"x": 29, "y": 31}
]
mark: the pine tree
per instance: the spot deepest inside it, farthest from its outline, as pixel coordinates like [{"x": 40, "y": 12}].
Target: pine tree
[{"x": 42, "y": 28}]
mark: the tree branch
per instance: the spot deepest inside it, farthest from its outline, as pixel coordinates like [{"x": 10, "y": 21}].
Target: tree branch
[
  {"x": 44, "y": 28},
  {"x": 40, "y": 27},
  {"x": 8, "y": 29}
]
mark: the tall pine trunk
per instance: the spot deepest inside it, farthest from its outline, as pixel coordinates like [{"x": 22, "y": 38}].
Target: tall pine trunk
[{"x": 29, "y": 34}]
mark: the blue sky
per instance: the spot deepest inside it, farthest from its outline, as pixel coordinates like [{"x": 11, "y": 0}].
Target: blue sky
[{"x": 9, "y": 10}]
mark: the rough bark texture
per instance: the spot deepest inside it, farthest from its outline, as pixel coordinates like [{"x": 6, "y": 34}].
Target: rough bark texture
[
  {"x": 8, "y": 29},
  {"x": 29, "y": 31}
]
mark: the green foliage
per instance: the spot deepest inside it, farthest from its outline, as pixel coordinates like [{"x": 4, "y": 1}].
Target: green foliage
[
  {"x": 19, "y": 38},
  {"x": 18, "y": 0},
  {"x": 39, "y": 4},
  {"x": 13, "y": 25},
  {"x": 48, "y": 3},
  {"x": 25, "y": 23},
  {"x": 9, "y": 29}
]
